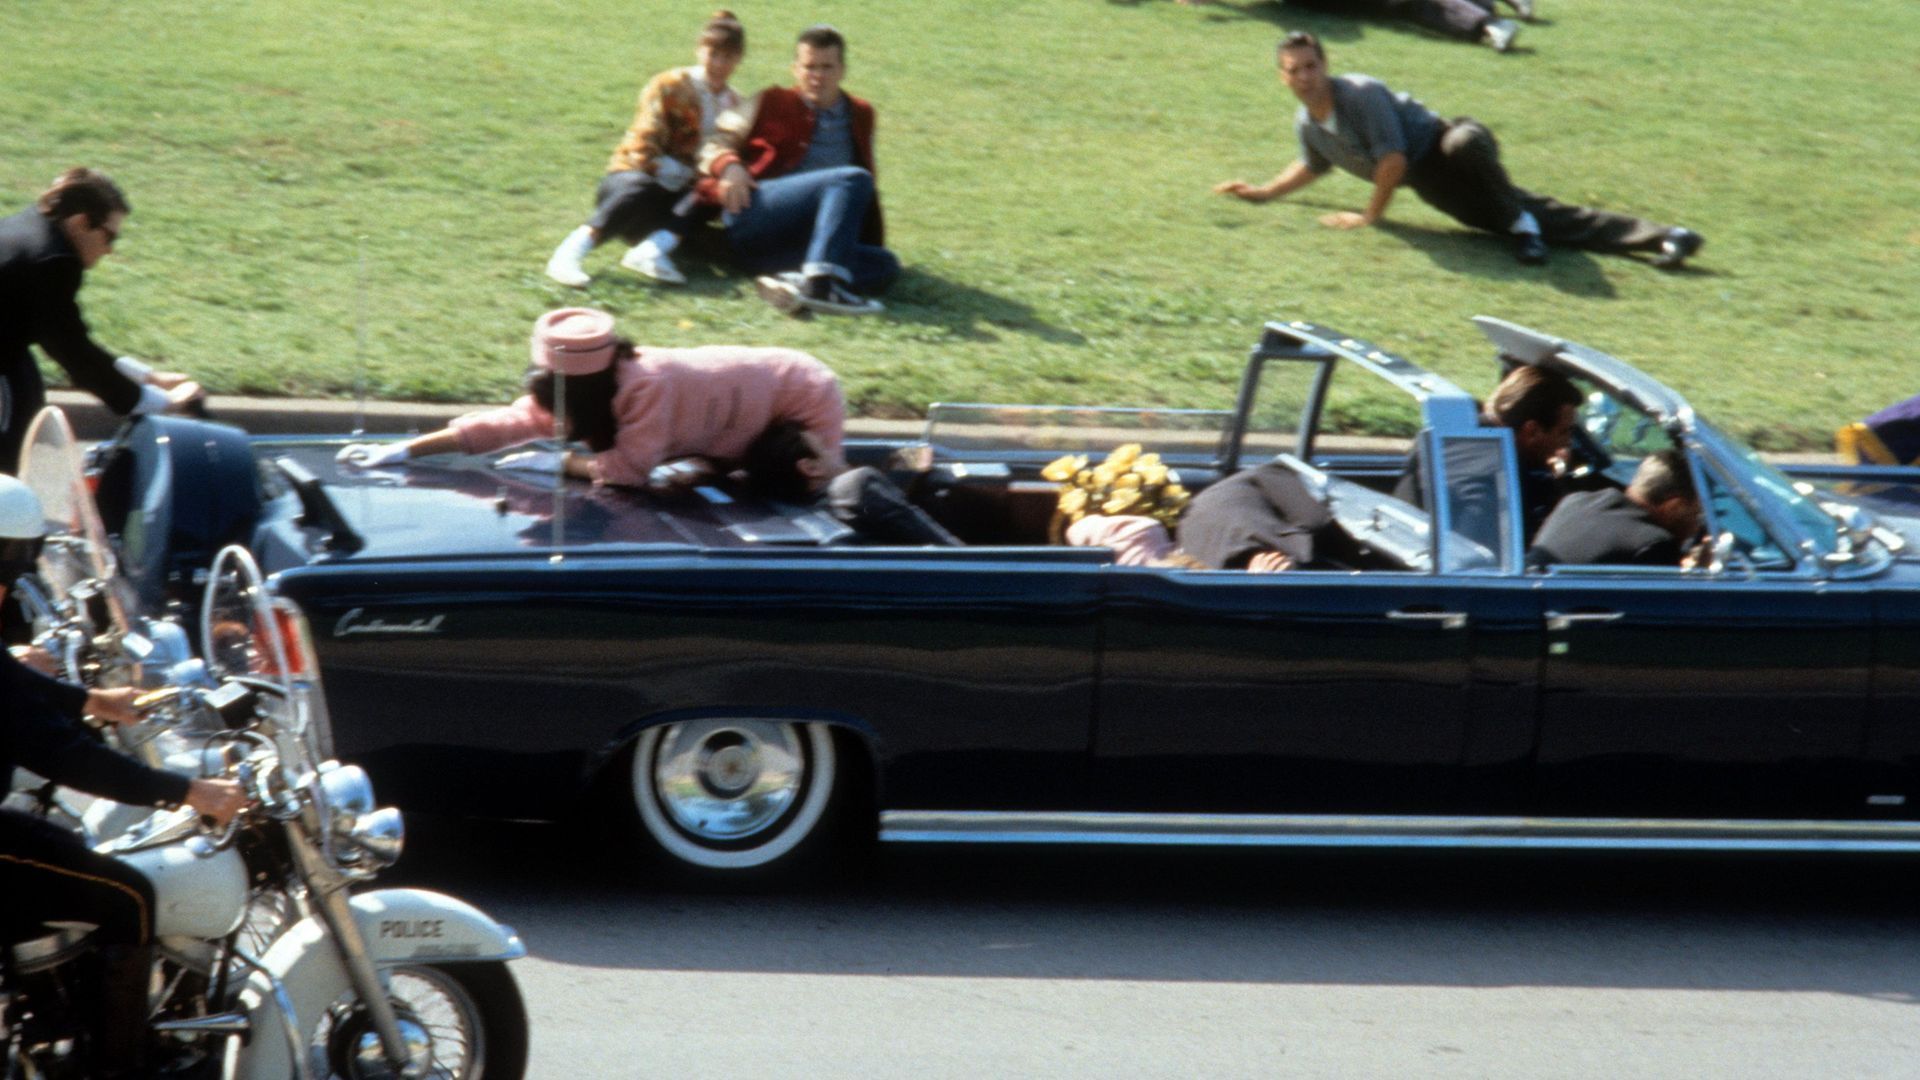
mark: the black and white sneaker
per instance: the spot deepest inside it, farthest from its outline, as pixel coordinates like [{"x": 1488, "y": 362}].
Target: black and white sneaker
[
  {"x": 781, "y": 291},
  {"x": 1679, "y": 246},
  {"x": 824, "y": 293}
]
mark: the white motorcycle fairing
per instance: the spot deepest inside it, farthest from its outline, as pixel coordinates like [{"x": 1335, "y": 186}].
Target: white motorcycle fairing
[{"x": 400, "y": 926}]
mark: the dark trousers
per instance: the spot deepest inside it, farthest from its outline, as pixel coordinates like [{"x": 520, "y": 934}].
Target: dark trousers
[
  {"x": 875, "y": 508},
  {"x": 1463, "y": 19},
  {"x": 46, "y": 872},
  {"x": 22, "y": 394},
  {"x": 631, "y": 205},
  {"x": 1463, "y": 178}
]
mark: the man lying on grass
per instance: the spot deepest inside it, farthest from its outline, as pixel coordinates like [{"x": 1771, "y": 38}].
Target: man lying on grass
[{"x": 1392, "y": 140}]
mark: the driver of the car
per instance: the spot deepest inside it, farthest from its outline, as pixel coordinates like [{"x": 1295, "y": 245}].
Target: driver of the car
[
  {"x": 47, "y": 872},
  {"x": 1540, "y": 407}
]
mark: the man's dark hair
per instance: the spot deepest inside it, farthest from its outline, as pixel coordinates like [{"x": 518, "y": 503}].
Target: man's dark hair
[
  {"x": 1301, "y": 39},
  {"x": 83, "y": 191},
  {"x": 1531, "y": 393},
  {"x": 590, "y": 416},
  {"x": 822, "y": 36},
  {"x": 772, "y": 463},
  {"x": 1662, "y": 476}
]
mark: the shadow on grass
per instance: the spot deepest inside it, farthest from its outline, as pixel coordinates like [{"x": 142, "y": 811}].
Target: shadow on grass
[
  {"x": 919, "y": 297},
  {"x": 966, "y": 312},
  {"x": 1569, "y": 270}
]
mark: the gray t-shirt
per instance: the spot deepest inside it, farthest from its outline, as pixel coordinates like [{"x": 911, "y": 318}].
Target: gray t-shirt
[{"x": 1369, "y": 122}]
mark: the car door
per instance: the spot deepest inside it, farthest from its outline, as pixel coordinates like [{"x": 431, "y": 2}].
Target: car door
[
  {"x": 1328, "y": 692},
  {"x": 1677, "y": 695}
]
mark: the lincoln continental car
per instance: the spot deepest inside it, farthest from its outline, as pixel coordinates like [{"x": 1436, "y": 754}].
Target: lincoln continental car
[{"x": 747, "y": 685}]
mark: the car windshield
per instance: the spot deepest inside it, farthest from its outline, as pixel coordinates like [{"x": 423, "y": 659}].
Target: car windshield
[{"x": 1806, "y": 516}]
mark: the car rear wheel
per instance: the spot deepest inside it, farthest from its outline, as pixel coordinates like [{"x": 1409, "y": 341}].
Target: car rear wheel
[{"x": 726, "y": 795}]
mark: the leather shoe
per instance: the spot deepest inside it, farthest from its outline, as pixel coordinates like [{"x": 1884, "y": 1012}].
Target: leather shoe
[
  {"x": 1679, "y": 246},
  {"x": 1530, "y": 248}
]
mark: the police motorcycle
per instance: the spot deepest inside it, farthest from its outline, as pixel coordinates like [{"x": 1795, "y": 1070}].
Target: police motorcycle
[
  {"x": 269, "y": 965},
  {"x": 83, "y": 627}
]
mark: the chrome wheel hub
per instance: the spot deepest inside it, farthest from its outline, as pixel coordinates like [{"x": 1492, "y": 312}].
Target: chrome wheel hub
[{"x": 722, "y": 780}]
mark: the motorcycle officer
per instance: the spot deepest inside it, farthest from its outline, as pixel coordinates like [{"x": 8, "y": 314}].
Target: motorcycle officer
[{"x": 47, "y": 872}]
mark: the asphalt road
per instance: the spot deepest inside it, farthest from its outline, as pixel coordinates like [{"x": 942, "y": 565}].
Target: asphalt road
[{"x": 974, "y": 962}]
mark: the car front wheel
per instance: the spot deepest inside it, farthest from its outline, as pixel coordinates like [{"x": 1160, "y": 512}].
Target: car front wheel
[{"x": 731, "y": 795}]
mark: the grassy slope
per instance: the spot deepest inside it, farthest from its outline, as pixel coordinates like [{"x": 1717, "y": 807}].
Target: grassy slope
[{"x": 344, "y": 193}]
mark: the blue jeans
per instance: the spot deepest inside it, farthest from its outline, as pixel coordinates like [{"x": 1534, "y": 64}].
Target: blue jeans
[{"x": 811, "y": 222}]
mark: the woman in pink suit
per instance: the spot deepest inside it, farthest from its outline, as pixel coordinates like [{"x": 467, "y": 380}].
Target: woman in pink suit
[{"x": 648, "y": 417}]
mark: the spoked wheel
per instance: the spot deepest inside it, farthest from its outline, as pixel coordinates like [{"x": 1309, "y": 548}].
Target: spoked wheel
[
  {"x": 465, "y": 1021},
  {"x": 734, "y": 795}
]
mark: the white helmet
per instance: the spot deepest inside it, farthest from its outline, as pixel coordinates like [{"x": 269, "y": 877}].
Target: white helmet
[{"x": 23, "y": 525}]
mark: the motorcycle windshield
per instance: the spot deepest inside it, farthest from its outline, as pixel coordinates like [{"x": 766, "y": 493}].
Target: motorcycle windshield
[
  {"x": 240, "y": 634},
  {"x": 77, "y": 557}
]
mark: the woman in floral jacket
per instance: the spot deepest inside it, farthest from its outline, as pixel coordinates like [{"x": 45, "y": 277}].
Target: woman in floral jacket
[{"x": 644, "y": 198}]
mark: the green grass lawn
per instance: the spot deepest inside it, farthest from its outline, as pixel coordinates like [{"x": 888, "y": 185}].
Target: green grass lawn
[{"x": 344, "y": 194}]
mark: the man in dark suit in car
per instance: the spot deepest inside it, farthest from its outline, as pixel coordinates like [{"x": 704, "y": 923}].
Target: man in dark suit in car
[{"x": 1648, "y": 524}]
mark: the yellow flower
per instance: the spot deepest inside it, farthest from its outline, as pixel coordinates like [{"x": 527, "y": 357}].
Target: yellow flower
[
  {"x": 1063, "y": 469},
  {"x": 1073, "y": 501},
  {"x": 1103, "y": 475},
  {"x": 1130, "y": 480},
  {"x": 1120, "y": 501},
  {"x": 1146, "y": 461},
  {"x": 1150, "y": 475},
  {"x": 1123, "y": 456}
]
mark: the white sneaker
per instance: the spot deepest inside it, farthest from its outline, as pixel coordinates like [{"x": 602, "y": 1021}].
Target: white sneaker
[
  {"x": 564, "y": 266},
  {"x": 649, "y": 261},
  {"x": 782, "y": 291},
  {"x": 1499, "y": 34},
  {"x": 1522, "y": 8}
]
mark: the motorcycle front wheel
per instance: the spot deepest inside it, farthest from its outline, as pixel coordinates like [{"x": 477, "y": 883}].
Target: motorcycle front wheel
[{"x": 466, "y": 1021}]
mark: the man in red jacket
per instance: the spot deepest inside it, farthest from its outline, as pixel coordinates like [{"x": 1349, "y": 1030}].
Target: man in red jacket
[{"x": 793, "y": 173}]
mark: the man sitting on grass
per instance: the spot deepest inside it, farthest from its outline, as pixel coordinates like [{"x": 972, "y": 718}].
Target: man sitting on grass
[{"x": 793, "y": 173}]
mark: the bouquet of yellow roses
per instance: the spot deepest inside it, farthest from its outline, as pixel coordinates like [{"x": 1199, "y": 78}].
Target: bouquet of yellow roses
[{"x": 1128, "y": 482}]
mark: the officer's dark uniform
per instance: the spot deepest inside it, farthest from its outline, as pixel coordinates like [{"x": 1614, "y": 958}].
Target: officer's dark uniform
[
  {"x": 39, "y": 289},
  {"x": 46, "y": 872}
]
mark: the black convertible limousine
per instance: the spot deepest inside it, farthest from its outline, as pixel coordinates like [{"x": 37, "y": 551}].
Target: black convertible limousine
[{"x": 746, "y": 682}]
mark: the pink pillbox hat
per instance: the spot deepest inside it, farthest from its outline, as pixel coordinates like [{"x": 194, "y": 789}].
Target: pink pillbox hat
[{"x": 573, "y": 341}]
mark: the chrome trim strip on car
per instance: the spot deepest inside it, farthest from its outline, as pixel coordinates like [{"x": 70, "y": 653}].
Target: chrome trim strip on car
[{"x": 1332, "y": 830}]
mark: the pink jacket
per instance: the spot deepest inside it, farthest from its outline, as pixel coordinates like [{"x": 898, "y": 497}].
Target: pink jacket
[{"x": 671, "y": 403}]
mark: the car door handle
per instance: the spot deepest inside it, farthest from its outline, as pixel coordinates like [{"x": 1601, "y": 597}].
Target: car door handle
[
  {"x": 1563, "y": 620},
  {"x": 1448, "y": 620}
]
